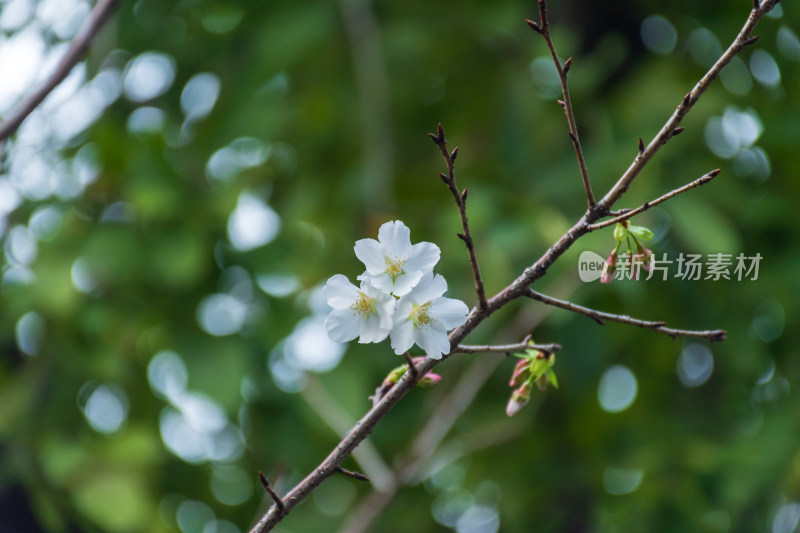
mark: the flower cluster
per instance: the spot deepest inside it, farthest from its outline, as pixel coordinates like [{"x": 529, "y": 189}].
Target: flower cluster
[
  {"x": 534, "y": 366},
  {"x": 399, "y": 296},
  {"x": 638, "y": 256}
]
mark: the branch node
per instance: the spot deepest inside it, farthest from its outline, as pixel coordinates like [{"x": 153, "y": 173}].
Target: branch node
[
  {"x": 268, "y": 490},
  {"x": 464, "y": 238},
  {"x": 751, "y": 40},
  {"x": 411, "y": 367},
  {"x": 534, "y": 26},
  {"x": 756, "y": 4}
]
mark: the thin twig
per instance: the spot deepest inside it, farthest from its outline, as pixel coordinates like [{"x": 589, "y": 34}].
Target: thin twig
[
  {"x": 350, "y": 473},
  {"x": 668, "y": 131},
  {"x": 566, "y": 103},
  {"x": 99, "y": 15},
  {"x": 507, "y": 348},
  {"x": 411, "y": 366},
  {"x": 601, "y": 316},
  {"x": 268, "y": 489},
  {"x": 705, "y": 178},
  {"x": 461, "y": 201}
]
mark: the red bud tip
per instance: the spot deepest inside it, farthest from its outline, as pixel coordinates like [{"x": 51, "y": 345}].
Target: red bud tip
[{"x": 714, "y": 172}]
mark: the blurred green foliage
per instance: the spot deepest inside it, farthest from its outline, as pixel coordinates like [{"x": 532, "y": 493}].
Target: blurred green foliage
[{"x": 333, "y": 101}]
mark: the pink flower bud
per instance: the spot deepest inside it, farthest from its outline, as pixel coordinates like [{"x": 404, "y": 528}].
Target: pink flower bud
[
  {"x": 644, "y": 256},
  {"x": 609, "y": 268},
  {"x": 521, "y": 373},
  {"x": 429, "y": 380},
  {"x": 519, "y": 397}
]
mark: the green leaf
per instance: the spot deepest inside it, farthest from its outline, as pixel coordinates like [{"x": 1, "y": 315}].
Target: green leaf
[
  {"x": 641, "y": 232},
  {"x": 552, "y": 376}
]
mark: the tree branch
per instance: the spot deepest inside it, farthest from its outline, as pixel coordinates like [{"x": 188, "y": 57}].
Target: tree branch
[
  {"x": 600, "y": 317},
  {"x": 543, "y": 28},
  {"x": 520, "y": 286},
  {"x": 507, "y": 348},
  {"x": 667, "y": 131},
  {"x": 461, "y": 201},
  {"x": 628, "y": 213},
  {"x": 100, "y": 14}
]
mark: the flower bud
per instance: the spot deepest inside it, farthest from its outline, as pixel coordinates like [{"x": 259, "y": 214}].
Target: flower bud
[
  {"x": 521, "y": 373},
  {"x": 609, "y": 268},
  {"x": 519, "y": 397},
  {"x": 429, "y": 380},
  {"x": 620, "y": 231},
  {"x": 644, "y": 256}
]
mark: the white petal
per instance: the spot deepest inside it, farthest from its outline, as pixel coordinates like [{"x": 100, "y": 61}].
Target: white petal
[
  {"x": 402, "y": 310},
  {"x": 402, "y": 336},
  {"x": 339, "y": 292},
  {"x": 406, "y": 282},
  {"x": 371, "y": 330},
  {"x": 433, "y": 339},
  {"x": 370, "y": 252},
  {"x": 396, "y": 238},
  {"x": 342, "y": 325},
  {"x": 381, "y": 282},
  {"x": 424, "y": 256},
  {"x": 430, "y": 286},
  {"x": 385, "y": 305},
  {"x": 449, "y": 311}
]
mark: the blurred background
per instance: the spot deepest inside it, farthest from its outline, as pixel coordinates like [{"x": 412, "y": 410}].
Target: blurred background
[{"x": 169, "y": 215}]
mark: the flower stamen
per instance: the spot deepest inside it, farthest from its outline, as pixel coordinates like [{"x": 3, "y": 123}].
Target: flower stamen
[
  {"x": 394, "y": 266},
  {"x": 420, "y": 316},
  {"x": 364, "y": 305}
]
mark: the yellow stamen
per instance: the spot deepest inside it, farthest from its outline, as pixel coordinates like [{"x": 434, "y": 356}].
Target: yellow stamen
[
  {"x": 364, "y": 305},
  {"x": 394, "y": 266},
  {"x": 420, "y": 316}
]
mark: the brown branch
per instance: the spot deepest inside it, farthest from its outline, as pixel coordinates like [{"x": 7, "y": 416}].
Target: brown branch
[
  {"x": 601, "y": 316},
  {"x": 516, "y": 289},
  {"x": 268, "y": 490},
  {"x": 99, "y": 15},
  {"x": 543, "y": 28},
  {"x": 626, "y": 214},
  {"x": 461, "y": 201},
  {"x": 507, "y": 348},
  {"x": 349, "y": 473},
  {"x": 670, "y": 128}
]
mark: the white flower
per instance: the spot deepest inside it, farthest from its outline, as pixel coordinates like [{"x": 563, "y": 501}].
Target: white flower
[
  {"x": 393, "y": 264},
  {"x": 365, "y": 313},
  {"x": 423, "y": 317}
]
